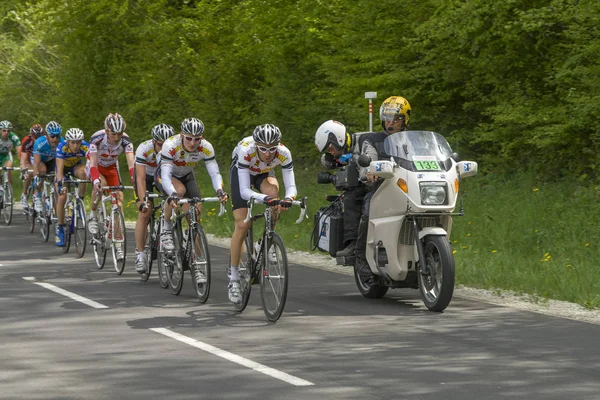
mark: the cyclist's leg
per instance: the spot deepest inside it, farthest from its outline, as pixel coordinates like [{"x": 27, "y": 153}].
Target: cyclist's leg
[
  {"x": 9, "y": 163},
  {"x": 60, "y": 213},
  {"x": 38, "y": 188},
  {"x": 270, "y": 187},
  {"x": 79, "y": 172},
  {"x": 166, "y": 236},
  {"x": 141, "y": 226}
]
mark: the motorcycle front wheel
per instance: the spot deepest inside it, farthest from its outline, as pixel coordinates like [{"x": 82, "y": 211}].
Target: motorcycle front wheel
[{"x": 436, "y": 285}]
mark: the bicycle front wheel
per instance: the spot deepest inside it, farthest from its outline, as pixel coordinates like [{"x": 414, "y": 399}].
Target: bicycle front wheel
[
  {"x": 80, "y": 227},
  {"x": 31, "y": 212},
  {"x": 245, "y": 272},
  {"x": 274, "y": 280},
  {"x": 148, "y": 249},
  {"x": 175, "y": 262},
  {"x": 8, "y": 204},
  {"x": 119, "y": 241},
  {"x": 99, "y": 241},
  {"x": 199, "y": 263},
  {"x": 69, "y": 218},
  {"x": 44, "y": 218}
]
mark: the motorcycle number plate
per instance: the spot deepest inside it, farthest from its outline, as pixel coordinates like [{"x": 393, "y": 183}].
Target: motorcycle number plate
[{"x": 427, "y": 165}]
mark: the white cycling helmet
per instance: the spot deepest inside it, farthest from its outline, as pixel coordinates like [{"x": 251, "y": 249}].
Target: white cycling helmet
[
  {"x": 192, "y": 126},
  {"x": 162, "y": 132},
  {"x": 74, "y": 134},
  {"x": 5, "y": 125},
  {"x": 267, "y": 134},
  {"x": 330, "y": 132},
  {"x": 115, "y": 123}
]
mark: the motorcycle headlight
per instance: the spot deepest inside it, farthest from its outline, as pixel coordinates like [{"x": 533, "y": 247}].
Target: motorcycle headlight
[{"x": 433, "y": 193}]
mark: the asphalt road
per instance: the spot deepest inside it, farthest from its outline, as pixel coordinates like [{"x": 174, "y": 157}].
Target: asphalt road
[{"x": 135, "y": 340}]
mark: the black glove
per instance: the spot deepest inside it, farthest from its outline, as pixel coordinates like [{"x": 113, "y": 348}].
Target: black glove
[
  {"x": 142, "y": 206},
  {"x": 172, "y": 198},
  {"x": 286, "y": 203},
  {"x": 270, "y": 201},
  {"x": 221, "y": 193}
]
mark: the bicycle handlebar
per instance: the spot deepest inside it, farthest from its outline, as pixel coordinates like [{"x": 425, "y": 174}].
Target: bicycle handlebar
[{"x": 300, "y": 203}]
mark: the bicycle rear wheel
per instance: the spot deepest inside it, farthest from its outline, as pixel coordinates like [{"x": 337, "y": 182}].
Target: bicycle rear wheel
[
  {"x": 80, "y": 228},
  {"x": 99, "y": 241},
  {"x": 148, "y": 248},
  {"x": 274, "y": 280},
  {"x": 7, "y": 210},
  {"x": 119, "y": 241},
  {"x": 175, "y": 264},
  {"x": 161, "y": 260},
  {"x": 199, "y": 262},
  {"x": 245, "y": 272},
  {"x": 31, "y": 212}
]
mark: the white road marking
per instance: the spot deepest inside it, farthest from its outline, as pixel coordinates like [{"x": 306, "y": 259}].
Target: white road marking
[
  {"x": 66, "y": 293},
  {"x": 234, "y": 358}
]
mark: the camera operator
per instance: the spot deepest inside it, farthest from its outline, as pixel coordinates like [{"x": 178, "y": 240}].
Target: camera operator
[
  {"x": 394, "y": 114},
  {"x": 341, "y": 149}
]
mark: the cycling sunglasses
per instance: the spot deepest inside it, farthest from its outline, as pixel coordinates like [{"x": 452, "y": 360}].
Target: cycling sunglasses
[
  {"x": 192, "y": 139},
  {"x": 264, "y": 149}
]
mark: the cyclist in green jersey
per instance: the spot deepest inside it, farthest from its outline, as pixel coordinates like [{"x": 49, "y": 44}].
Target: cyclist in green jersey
[{"x": 8, "y": 141}]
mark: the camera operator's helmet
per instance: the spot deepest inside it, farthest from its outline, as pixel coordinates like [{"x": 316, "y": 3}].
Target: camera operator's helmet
[
  {"x": 267, "y": 134},
  {"x": 53, "y": 128},
  {"x": 162, "y": 132},
  {"x": 74, "y": 134},
  {"x": 115, "y": 123},
  {"x": 36, "y": 130},
  {"x": 192, "y": 126},
  {"x": 393, "y": 109},
  {"x": 331, "y": 132},
  {"x": 6, "y": 125}
]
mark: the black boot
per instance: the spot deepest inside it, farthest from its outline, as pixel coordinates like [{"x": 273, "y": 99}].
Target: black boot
[{"x": 348, "y": 251}]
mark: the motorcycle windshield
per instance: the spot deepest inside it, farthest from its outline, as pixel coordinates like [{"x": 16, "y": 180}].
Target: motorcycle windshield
[{"x": 419, "y": 150}]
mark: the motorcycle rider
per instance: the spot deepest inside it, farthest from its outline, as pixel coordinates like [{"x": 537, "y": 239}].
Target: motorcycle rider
[
  {"x": 339, "y": 147},
  {"x": 394, "y": 114}
]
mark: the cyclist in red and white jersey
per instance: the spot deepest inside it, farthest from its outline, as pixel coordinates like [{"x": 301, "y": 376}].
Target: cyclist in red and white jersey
[
  {"x": 253, "y": 161},
  {"x": 175, "y": 174},
  {"x": 26, "y": 156},
  {"x": 102, "y": 162}
]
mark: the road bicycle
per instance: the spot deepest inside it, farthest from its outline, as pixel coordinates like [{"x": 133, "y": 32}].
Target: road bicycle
[
  {"x": 190, "y": 252},
  {"x": 152, "y": 242},
  {"x": 111, "y": 230},
  {"x": 6, "y": 195},
  {"x": 265, "y": 261},
  {"x": 75, "y": 216},
  {"x": 47, "y": 216}
]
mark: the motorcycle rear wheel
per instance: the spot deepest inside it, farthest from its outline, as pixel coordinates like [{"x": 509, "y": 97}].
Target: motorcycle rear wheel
[
  {"x": 437, "y": 286},
  {"x": 370, "y": 291}
]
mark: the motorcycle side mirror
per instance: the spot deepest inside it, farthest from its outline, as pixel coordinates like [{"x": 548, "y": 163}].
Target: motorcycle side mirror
[
  {"x": 467, "y": 168},
  {"x": 455, "y": 157},
  {"x": 364, "y": 160}
]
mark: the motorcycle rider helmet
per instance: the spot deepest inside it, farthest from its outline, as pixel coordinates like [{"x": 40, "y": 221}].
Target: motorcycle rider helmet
[
  {"x": 331, "y": 132},
  {"x": 6, "y": 125},
  {"x": 74, "y": 134},
  {"x": 162, "y": 132},
  {"x": 393, "y": 109},
  {"x": 115, "y": 123},
  {"x": 36, "y": 130},
  {"x": 266, "y": 134},
  {"x": 192, "y": 126},
  {"x": 53, "y": 128}
]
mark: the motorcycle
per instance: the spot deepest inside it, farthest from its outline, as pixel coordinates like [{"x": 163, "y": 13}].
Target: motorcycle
[{"x": 410, "y": 218}]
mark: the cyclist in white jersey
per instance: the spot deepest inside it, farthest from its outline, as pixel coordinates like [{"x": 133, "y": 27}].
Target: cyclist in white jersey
[
  {"x": 102, "y": 163},
  {"x": 175, "y": 174},
  {"x": 253, "y": 161},
  {"x": 146, "y": 163}
]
